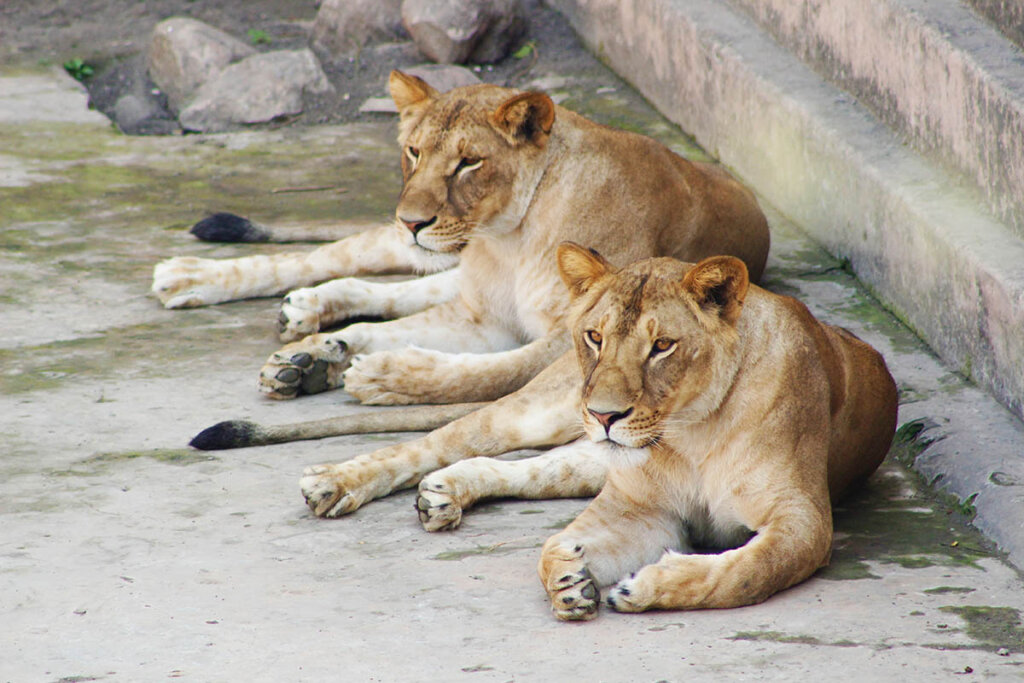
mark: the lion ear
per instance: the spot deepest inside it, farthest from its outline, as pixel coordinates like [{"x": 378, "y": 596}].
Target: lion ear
[
  {"x": 719, "y": 285},
  {"x": 580, "y": 268},
  {"x": 527, "y": 117},
  {"x": 408, "y": 91}
]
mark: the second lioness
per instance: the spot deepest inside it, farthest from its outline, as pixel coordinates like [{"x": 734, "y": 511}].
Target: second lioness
[{"x": 500, "y": 178}]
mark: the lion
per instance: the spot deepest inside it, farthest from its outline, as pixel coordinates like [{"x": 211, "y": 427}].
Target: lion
[
  {"x": 718, "y": 416},
  {"x": 494, "y": 180}
]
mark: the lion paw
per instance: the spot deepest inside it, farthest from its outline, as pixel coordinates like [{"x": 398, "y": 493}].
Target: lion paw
[
  {"x": 628, "y": 596},
  {"x": 187, "y": 282},
  {"x": 326, "y": 492},
  {"x": 310, "y": 366},
  {"x": 394, "y": 377},
  {"x": 300, "y": 315},
  {"x": 437, "y": 506},
  {"x": 575, "y": 596}
]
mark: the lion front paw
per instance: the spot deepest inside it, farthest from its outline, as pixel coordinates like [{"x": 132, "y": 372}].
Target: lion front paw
[
  {"x": 310, "y": 366},
  {"x": 187, "y": 282},
  {"x": 327, "y": 492},
  {"x": 300, "y": 315},
  {"x": 629, "y": 595},
  {"x": 438, "y": 508},
  {"x": 576, "y": 596},
  {"x": 570, "y": 585}
]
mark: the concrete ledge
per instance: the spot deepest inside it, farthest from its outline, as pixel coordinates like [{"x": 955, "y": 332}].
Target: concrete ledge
[
  {"x": 1007, "y": 16},
  {"x": 936, "y": 72},
  {"x": 942, "y": 264}
]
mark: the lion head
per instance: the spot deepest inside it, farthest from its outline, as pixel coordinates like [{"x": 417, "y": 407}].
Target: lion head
[
  {"x": 656, "y": 341},
  {"x": 471, "y": 158}
]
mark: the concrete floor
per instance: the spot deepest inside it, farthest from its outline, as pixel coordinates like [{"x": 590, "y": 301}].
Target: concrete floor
[{"x": 125, "y": 556}]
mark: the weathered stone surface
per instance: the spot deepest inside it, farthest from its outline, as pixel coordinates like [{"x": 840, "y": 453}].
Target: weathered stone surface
[
  {"x": 464, "y": 31},
  {"x": 185, "y": 53},
  {"x": 344, "y": 27},
  {"x": 257, "y": 89},
  {"x": 443, "y": 77},
  {"x": 136, "y": 114}
]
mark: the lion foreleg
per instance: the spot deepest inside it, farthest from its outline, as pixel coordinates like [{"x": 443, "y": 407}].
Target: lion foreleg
[
  {"x": 575, "y": 470},
  {"x": 310, "y": 309},
  {"x": 611, "y": 537},
  {"x": 544, "y": 413},
  {"x": 425, "y": 376},
  {"x": 786, "y": 550},
  {"x": 186, "y": 282}
]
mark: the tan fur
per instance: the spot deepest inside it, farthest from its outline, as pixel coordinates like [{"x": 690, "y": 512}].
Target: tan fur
[
  {"x": 752, "y": 417},
  {"x": 500, "y": 178},
  {"x": 740, "y": 418}
]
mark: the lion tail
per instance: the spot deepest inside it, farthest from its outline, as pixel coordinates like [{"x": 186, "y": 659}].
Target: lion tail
[
  {"x": 243, "y": 433},
  {"x": 229, "y": 227}
]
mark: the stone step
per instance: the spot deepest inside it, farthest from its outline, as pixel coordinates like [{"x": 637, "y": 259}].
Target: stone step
[
  {"x": 937, "y": 72},
  {"x": 1008, "y": 17},
  {"x": 928, "y": 247}
]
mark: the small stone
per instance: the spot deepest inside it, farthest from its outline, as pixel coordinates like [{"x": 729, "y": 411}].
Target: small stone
[
  {"x": 256, "y": 90},
  {"x": 463, "y": 31},
  {"x": 344, "y": 27},
  {"x": 184, "y": 54},
  {"x": 441, "y": 77},
  {"x": 1003, "y": 652},
  {"x": 131, "y": 110}
]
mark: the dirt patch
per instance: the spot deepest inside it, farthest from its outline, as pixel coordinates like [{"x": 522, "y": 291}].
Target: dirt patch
[{"x": 111, "y": 38}]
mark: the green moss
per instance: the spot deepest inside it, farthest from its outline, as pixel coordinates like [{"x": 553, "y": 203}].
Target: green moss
[
  {"x": 100, "y": 463},
  {"x": 184, "y": 336},
  {"x": 946, "y": 590},
  {"x": 626, "y": 110},
  {"x": 994, "y": 627},
  {"x": 895, "y": 519},
  {"x": 496, "y": 549},
  {"x": 779, "y": 637}
]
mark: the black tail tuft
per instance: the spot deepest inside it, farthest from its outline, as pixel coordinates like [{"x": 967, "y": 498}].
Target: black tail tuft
[
  {"x": 224, "y": 435},
  {"x": 227, "y": 227}
]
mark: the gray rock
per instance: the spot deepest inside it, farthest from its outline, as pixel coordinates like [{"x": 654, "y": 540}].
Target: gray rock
[
  {"x": 344, "y": 27},
  {"x": 442, "y": 77},
  {"x": 130, "y": 110},
  {"x": 257, "y": 89},
  {"x": 464, "y": 31},
  {"x": 185, "y": 53}
]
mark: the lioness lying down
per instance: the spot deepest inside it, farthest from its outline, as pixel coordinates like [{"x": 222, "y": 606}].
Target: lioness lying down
[
  {"x": 494, "y": 180},
  {"x": 719, "y": 416}
]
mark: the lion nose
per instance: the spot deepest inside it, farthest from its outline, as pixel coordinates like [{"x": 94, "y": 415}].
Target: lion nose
[
  {"x": 415, "y": 225},
  {"x": 608, "y": 419}
]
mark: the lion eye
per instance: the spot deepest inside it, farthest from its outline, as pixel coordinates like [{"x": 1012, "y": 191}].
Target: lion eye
[
  {"x": 662, "y": 346},
  {"x": 413, "y": 153},
  {"x": 594, "y": 338},
  {"x": 468, "y": 164}
]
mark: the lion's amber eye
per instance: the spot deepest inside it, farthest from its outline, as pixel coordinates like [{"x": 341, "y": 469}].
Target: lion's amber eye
[
  {"x": 413, "y": 152},
  {"x": 469, "y": 164},
  {"x": 661, "y": 346},
  {"x": 594, "y": 337}
]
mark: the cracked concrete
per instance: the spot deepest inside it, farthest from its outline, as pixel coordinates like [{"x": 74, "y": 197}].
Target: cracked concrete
[{"x": 125, "y": 556}]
